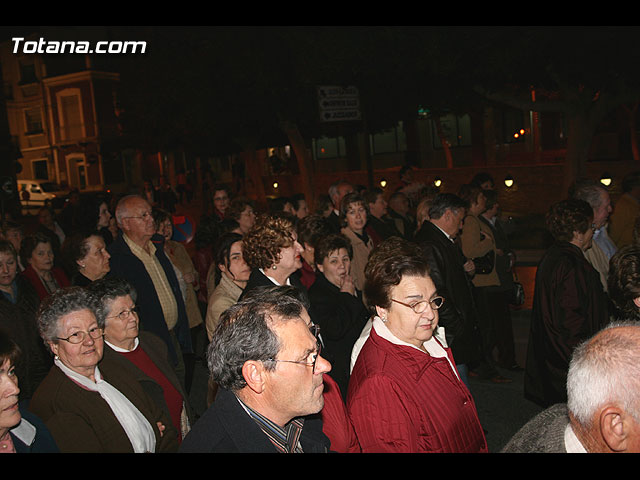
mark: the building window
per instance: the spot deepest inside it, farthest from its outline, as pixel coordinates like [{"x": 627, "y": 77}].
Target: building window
[
  {"x": 393, "y": 140},
  {"x": 40, "y": 171},
  {"x": 71, "y": 124},
  {"x": 33, "y": 121},
  {"x": 456, "y": 130},
  {"x": 325, "y": 147},
  {"x": 512, "y": 124},
  {"x": 27, "y": 72}
]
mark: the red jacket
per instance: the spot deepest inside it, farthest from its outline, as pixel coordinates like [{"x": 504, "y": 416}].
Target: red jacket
[
  {"x": 335, "y": 421},
  {"x": 402, "y": 400},
  {"x": 33, "y": 277}
]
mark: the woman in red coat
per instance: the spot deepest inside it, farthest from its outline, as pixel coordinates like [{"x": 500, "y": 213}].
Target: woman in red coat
[
  {"x": 36, "y": 253},
  {"x": 405, "y": 394}
]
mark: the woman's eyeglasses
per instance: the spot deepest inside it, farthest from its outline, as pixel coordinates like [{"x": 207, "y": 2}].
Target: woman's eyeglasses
[{"x": 420, "y": 307}]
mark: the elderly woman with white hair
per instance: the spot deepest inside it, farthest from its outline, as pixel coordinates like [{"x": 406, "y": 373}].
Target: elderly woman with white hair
[{"x": 90, "y": 405}]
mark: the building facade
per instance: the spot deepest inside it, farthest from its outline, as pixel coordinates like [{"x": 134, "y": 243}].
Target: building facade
[{"x": 62, "y": 118}]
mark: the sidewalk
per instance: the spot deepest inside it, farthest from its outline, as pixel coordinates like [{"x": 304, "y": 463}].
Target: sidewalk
[{"x": 502, "y": 408}]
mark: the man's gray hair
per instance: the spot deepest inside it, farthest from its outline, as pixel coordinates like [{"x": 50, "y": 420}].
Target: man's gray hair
[
  {"x": 245, "y": 333},
  {"x": 606, "y": 368},
  {"x": 590, "y": 192}
]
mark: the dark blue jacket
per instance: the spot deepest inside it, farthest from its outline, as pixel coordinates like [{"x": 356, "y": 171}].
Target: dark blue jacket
[
  {"x": 43, "y": 441},
  {"x": 126, "y": 265}
]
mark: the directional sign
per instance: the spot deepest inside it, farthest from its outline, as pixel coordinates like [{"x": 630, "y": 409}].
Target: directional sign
[{"x": 338, "y": 104}]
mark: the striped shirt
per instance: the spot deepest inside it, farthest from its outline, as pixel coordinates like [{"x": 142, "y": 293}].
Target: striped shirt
[
  {"x": 287, "y": 439},
  {"x": 159, "y": 278}
]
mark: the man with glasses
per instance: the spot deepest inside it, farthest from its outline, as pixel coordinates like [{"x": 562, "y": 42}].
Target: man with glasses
[
  {"x": 137, "y": 256},
  {"x": 266, "y": 358}
]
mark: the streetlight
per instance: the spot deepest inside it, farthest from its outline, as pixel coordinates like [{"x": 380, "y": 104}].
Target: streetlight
[{"x": 508, "y": 181}]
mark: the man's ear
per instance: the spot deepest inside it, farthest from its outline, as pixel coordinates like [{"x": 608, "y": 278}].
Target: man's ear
[
  {"x": 614, "y": 428},
  {"x": 636, "y": 301},
  {"x": 254, "y": 374}
]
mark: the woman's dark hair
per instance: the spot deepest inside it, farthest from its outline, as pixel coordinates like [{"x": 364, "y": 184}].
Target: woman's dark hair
[
  {"x": 469, "y": 193},
  {"x": 159, "y": 216},
  {"x": 7, "y": 247},
  {"x": 624, "y": 282},
  {"x": 296, "y": 199},
  {"x": 482, "y": 177},
  {"x": 207, "y": 232},
  {"x": 388, "y": 262},
  {"x": 29, "y": 244},
  {"x": 312, "y": 228},
  {"x": 236, "y": 207},
  {"x": 349, "y": 199},
  {"x": 569, "y": 216},
  {"x": 76, "y": 247},
  {"x": 9, "y": 350},
  {"x": 222, "y": 252},
  {"x": 330, "y": 244}
]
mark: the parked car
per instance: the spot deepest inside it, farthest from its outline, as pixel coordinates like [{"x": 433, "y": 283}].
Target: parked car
[{"x": 37, "y": 193}]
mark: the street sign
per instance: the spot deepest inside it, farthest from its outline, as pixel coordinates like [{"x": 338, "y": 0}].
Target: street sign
[{"x": 337, "y": 104}]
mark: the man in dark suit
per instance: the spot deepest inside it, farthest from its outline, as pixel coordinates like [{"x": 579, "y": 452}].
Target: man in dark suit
[
  {"x": 451, "y": 272},
  {"x": 266, "y": 360}
]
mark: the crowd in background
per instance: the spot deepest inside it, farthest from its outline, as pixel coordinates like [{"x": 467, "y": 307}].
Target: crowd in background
[{"x": 104, "y": 300}]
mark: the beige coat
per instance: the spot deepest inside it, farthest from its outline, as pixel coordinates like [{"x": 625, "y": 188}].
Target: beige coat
[
  {"x": 360, "y": 256},
  {"x": 474, "y": 245},
  {"x": 182, "y": 261},
  {"x": 225, "y": 294}
]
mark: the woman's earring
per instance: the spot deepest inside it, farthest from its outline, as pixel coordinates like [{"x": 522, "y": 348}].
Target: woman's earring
[{"x": 274, "y": 267}]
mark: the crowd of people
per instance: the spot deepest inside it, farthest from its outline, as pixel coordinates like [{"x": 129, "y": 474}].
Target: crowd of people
[{"x": 351, "y": 328}]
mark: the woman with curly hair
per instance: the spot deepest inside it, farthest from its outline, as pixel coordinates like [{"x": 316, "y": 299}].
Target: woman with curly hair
[
  {"x": 569, "y": 303},
  {"x": 272, "y": 250},
  {"x": 624, "y": 283}
]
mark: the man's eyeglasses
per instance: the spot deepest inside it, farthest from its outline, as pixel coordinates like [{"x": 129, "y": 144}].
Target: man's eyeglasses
[
  {"x": 421, "y": 306},
  {"x": 144, "y": 216},
  {"x": 315, "y": 331},
  {"x": 80, "y": 336},
  {"x": 125, "y": 313}
]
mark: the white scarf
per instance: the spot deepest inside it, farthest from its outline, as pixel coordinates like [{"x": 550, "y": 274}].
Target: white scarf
[{"x": 135, "y": 425}]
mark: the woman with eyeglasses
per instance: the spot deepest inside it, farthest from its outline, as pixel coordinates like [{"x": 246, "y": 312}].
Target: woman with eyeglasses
[
  {"x": 91, "y": 404},
  {"x": 141, "y": 353},
  {"x": 569, "y": 303},
  {"x": 405, "y": 394}
]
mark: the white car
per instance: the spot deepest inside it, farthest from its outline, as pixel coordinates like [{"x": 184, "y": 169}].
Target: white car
[{"x": 37, "y": 193}]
